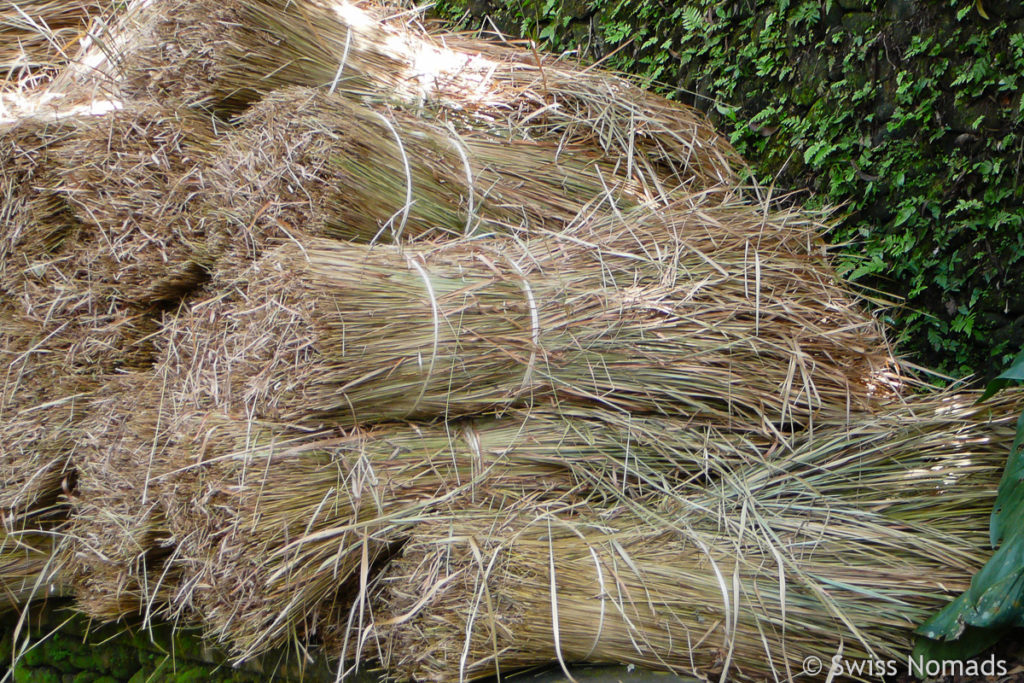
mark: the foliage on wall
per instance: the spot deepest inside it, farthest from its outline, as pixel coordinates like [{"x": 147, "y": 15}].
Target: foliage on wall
[{"x": 906, "y": 113}]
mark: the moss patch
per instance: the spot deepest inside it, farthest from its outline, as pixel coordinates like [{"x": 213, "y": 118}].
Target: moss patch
[{"x": 69, "y": 649}]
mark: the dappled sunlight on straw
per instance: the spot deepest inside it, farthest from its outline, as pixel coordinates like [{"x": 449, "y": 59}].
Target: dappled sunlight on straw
[{"x": 323, "y": 330}]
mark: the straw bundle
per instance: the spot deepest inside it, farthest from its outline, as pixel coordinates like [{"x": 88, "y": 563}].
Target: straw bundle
[
  {"x": 275, "y": 535},
  {"x": 226, "y": 55},
  {"x": 306, "y": 160},
  {"x": 508, "y": 593},
  {"x": 132, "y": 179},
  {"x": 36, "y": 37},
  {"x": 697, "y": 320},
  {"x": 26, "y": 569},
  {"x": 117, "y": 540},
  {"x": 35, "y": 221},
  {"x": 275, "y": 532},
  {"x": 829, "y": 547}
]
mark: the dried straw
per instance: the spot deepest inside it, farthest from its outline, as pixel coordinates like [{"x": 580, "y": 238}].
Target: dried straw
[
  {"x": 680, "y": 312},
  {"x": 692, "y": 601},
  {"x": 840, "y": 546},
  {"x": 133, "y": 178},
  {"x": 116, "y": 540},
  {"x": 26, "y": 569},
  {"x": 35, "y": 222},
  {"x": 37, "y": 37},
  {"x": 41, "y": 401},
  {"x": 90, "y": 229},
  {"x": 305, "y": 160},
  {"x": 60, "y": 331},
  {"x": 226, "y": 55},
  {"x": 278, "y": 533}
]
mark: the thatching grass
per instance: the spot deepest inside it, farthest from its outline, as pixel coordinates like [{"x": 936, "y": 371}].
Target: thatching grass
[
  {"x": 828, "y": 547},
  {"x": 226, "y": 55},
  {"x": 690, "y": 601},
  {"x": 133, "y": 179},
  {"x": 679, "y": 312},
  {"x": 38, "y": 37},
  {"x": 91, "y": 239},
  {"x": 306, "y": 160},
  {"x": 275, "y": 534},
  {"x": 27, "y": 570},
  {"x": 61, "y": 330},
  {"x": 35, "y": 222},
  {"x": 117, "y": 540},
  {"x": 663, "y": 432},
  {"x": 279, "y": 538}
]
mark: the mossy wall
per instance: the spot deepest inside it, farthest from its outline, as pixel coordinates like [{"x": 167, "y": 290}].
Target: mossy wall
[
  {"x": 54, "y": 645},
  {"x": 907, "y": 113}
]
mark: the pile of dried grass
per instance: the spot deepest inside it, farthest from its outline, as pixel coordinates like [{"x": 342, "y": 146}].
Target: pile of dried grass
[
  {"x": 92, "y": 236},
  {"x": 38, "y": 37},
  {"x": 663, "y": 432},
  {"x": 304, "y": 160},
  {"x": 843, "y": 544},
  {"x": 27, "y": 569},
  {"x": 133, "y": 179},
  {"x": 226, "y": 55},
  {"x": 680, "y": 312},
  {"x": 91, "y": 228},
  {"x": 41, "y": 402}
]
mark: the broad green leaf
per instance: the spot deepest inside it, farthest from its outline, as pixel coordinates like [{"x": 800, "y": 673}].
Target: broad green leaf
[
  {"x": 994, "y": 599},
  {"x": 949, "y": 624},
  {"x": 1008, "y": 511},
  {"x": 971, "y": 642},
  {"x": 1015, "y": 373}
]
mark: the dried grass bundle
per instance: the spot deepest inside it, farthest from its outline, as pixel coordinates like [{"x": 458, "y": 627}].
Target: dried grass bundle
[
  {"x": 37, "y": 37},
  {"x": 279, "y": 533},
  {"x": 226, "y": 55},
  {"x": 692, "y": 601},
  {"x": 117, "y": 540},
  {"x": 306, "y": 160},
  {"x": 133, "y": 179},
  {"x": 836, "y": 545},
  {"x": 679, "y": 312},
  {"x": 26, "y": 569}
]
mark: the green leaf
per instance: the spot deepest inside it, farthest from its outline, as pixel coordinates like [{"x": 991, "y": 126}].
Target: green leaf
[
  {"x": 693, "y": 20},
  {"x": 995, "y": 598},
  {"x": 903, "y": 215},
  {"x": 970, "y": 643},
  {"x": 1015, "y": 373},
  {"x": 1008, "y": 511}
]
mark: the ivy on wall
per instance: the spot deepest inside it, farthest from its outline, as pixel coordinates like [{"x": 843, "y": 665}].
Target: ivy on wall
[{"x": 906, "y": 113}]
